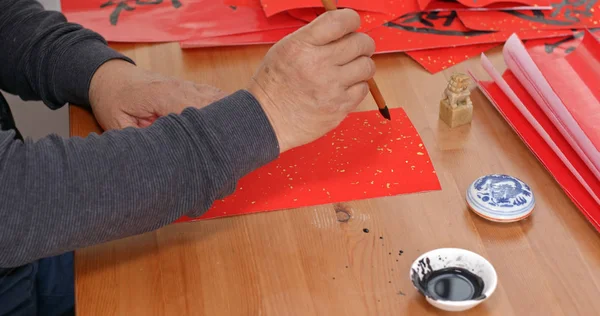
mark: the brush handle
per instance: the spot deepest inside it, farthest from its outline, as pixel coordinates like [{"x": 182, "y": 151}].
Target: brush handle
[
  {"x": 329, "y": 5},
  {"x": 376, "y": 94}
]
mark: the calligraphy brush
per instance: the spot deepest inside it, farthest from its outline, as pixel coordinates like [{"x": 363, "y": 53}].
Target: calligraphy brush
[{"x": 383, "y": 109}]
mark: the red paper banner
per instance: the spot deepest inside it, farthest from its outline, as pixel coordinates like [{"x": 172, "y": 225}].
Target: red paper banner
[
  {"x": 435, "y": 60},
  {"x": 425, "y": 5},
  {"x": 558, "y": 47},
  {"x": 427, "y": 30},
  {"x": 172, "y": 20},
  {"x": 272, "y": 7},
  {"x": 550, "y": 50},
  {"x": 365, "y": 157},
  {"x": 457, "y": 6},
  {"x": 254, "y": 38},
  {"x": 574, "y": 78},
  {"x": 567, "y": 14},
  {"x": 570, "y": 184},
  {"x": 369, "y": 20}
]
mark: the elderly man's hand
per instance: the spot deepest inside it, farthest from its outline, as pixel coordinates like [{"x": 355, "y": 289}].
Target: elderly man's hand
[
  {"x": 313, "y": 78},
  {"x": 123, "y": 95}
]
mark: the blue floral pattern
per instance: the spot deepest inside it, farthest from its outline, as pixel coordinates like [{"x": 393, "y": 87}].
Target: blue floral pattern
[{"x": 502, "y": 191}]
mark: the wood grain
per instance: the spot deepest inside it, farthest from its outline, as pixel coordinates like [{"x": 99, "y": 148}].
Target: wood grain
[{"x": 317, "y": 260}]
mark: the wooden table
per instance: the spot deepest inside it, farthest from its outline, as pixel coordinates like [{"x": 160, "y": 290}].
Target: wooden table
[{"x": 306, "y": 262}]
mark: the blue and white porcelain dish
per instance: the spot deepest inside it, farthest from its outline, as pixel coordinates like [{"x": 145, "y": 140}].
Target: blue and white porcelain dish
[{"x": 500, "y": 197}]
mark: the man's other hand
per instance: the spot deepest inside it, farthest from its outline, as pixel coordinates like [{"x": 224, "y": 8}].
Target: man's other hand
[
  {"x": 123, "y": 95},
  {"x": 310, "y": 80}
]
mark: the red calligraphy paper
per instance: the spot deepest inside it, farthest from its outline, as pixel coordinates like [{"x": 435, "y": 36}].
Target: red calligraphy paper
[
  {"x": 457, "y": 6},
  {"x": 573, "y": 78},
  {"x": 369, "y": 20},
  {"x": 244, "y": 39},
  {"x": 427, "y": 30},
  {"x": 539, "y": 146},
  {"x": 170, "y": 20},
  {"x": 558, "y": 47},
  {"x": 566, "y": 14},
  {"x": 428, "y": 4},
  {"x": 435, "y": 60},
  {"x": 273, "y": 7},
  {"x": 365, "y": 157}
]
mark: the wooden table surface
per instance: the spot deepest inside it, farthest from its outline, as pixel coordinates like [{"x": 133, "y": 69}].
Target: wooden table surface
[{"x": 305, "y": 262}]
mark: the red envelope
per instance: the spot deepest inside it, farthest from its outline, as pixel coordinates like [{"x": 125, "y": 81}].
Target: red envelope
[
  {"x": 567, "y": 14},
  {"x": 172, "y": 20},
  {"x": 365, "y": 157}
]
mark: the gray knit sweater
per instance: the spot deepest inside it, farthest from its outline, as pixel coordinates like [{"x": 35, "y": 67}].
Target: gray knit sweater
[{"x": 59, "y": 194}]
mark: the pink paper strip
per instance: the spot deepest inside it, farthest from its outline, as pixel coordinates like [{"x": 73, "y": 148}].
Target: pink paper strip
[{"x": 522, "y": 65}]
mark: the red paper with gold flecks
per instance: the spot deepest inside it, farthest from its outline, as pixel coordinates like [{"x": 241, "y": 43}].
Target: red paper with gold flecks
[
  {"x": 426, "y": 4},
  {"x": 272, "y": 7},
  {"x": 365, "y": 157},
  {"x": 172, "y": 20},
  {"x": 435, "y": 60},
  {"x": 427, "y": 30},
  {"x": 368, "y": 20},
  {"x": 566, "y": 14}
]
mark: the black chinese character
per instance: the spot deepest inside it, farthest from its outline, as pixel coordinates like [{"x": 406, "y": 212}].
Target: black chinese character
[
  {"x": 550, "y": 47},
  {"x": 564, "y": 13},
  {"x": 124, "y": 5},
  {"x": 426, "y": 25},
  {"x": 572, "y": 9}
]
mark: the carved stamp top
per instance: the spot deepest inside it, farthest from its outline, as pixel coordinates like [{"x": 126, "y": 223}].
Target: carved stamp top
[
  {"x": 457, "y": 92},
  {"x": 459, "y": 83}
]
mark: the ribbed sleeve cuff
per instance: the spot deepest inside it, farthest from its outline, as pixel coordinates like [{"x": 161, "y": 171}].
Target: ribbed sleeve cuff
[
  {"x": 76, "y": 66},
  {"x": 241, "y": 131}
]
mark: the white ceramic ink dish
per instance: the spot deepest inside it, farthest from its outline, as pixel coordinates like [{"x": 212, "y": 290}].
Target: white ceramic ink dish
[{"x": 425, "y": 268}]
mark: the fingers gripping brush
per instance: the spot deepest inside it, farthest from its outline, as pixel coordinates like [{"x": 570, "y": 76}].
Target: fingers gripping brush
[{"x": 383, "y": 109}]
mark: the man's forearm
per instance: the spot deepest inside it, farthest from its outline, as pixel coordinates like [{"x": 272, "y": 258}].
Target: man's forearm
[
  {"x": 58, "y": 195},
  {"x": 44, "y": 58}
]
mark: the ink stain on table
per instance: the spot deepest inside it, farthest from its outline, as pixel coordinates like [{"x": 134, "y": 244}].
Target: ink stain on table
[
  {"x": 400, "y": 252},
  {"x": 233, "y": 7},
  {"x": 380, "y": 237},
  {"x": 448, "y": 284},
  {"x": 365, "y": 230}
]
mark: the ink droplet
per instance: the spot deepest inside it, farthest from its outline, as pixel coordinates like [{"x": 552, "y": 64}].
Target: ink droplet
[
  {"x": 380, "y": 237},
  {"x": 400, "y": 252},
  {"x": 366, "y": 230}
]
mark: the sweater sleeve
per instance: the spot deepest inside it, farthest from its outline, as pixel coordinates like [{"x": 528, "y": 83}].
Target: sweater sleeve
[
  {"x": 58, "y": 195},
  {"x": 43, "y": 57}
]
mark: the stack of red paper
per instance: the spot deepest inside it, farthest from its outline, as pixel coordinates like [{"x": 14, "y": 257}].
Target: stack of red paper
[
  {"x": 551, "y": 98},
  {"x": 436, "y": 33}
]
